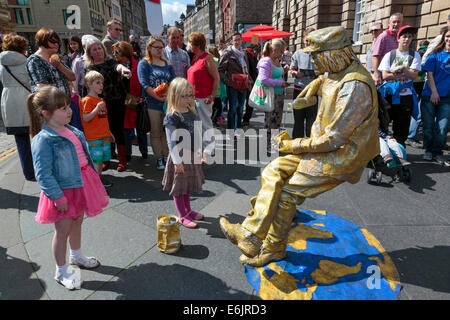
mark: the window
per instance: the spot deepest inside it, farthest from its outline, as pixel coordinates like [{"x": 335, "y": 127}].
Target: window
[
  {"x": 19, "y": 16},
  {"x": 65, "y": 16},
  {"x": 359, "y": 21},
  {"x": 23, "y": 2},
  {"x": 30, "y": 17}
]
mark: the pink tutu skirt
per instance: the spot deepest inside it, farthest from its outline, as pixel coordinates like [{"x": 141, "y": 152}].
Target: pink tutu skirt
[{"x": 90, "y": 199}]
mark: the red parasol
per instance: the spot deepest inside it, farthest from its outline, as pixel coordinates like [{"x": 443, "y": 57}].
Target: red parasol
[{"x": 264, "y": 32}]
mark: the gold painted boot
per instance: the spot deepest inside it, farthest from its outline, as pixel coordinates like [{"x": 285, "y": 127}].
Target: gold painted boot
[
  {"x": 269, "y": 252},
  {"x": 275, "y": 243},
  {"x": 246, "y": 241}
]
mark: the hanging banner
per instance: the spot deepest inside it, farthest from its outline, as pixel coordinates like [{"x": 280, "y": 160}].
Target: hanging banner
[
  {"x": 254, "y": 39},
  {"x": 154, "y": 17}
]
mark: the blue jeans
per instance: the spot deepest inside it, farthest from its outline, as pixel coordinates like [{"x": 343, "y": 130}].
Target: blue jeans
[
  {"x": 236, "y": 103},
  {"x": 435, "y": 124},
  {"x": 24, "y": 149},
  {"x": 414, "y": 127},
  {"x": 142, "y": 141}
]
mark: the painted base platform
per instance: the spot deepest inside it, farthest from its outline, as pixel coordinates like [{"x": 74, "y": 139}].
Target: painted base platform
[{"x": 328, "y": 258}]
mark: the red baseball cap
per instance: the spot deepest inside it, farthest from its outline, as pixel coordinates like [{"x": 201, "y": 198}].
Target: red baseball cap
[{"x": 406, "y": 29}]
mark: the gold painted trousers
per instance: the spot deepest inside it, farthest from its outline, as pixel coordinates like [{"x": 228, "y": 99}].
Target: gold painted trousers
[{"x": 282, "y": 189}]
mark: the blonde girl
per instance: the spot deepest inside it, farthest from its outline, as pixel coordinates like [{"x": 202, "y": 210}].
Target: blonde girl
[
  {"x": 65, "y": 172},
  {"x": 183, "y": 173}
]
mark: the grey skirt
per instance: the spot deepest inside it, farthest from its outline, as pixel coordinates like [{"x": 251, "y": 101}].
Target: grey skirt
[{"x": 178, "y": 184}]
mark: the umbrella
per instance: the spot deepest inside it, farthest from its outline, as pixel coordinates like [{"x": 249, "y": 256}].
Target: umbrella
[{"x": 264, "y": 32}]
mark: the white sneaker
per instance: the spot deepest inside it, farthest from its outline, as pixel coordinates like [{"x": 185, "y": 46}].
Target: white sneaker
[
  {"x": 70, "y": 281},
  {"x": 230, "y": 135},
  {"x": 239, "y": 133},
  {"x": 84, "y": 262}
]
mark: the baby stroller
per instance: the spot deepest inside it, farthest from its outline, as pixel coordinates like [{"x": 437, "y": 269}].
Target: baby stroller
[
  {"x": 401, "y": 173},
  {"x": 375, "y": 166}
]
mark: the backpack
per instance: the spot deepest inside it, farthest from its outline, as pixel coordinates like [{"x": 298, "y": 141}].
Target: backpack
[{"x": 393, "y": 54}]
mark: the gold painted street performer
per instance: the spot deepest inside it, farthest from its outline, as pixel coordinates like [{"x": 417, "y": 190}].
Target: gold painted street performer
[{"x": 344, "y": 138}]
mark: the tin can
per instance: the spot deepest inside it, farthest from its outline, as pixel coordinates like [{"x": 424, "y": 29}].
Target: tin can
[{"x": 168, "y": 228}]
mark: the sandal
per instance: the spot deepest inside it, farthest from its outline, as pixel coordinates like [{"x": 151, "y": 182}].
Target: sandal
[
  {"x": 196, "y": 215},
  {"x": 69, "y": 283},
  {"x": 91, "y": 263},
  {"x": 187, "y": 222}
]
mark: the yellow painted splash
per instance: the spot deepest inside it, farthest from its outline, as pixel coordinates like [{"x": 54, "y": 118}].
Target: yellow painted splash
[
  {"x": 387, "y": 267},
  {"x": 319, "y": 225},
  {"x": 322, "y": 212},
  {"x": 300, "y": 234},
  {"x": 282, "y": 285},
  {"x": 329, "y": 272}
]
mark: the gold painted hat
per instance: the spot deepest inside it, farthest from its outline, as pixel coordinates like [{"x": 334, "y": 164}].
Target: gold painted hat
[{"x": 326, "y": 39}]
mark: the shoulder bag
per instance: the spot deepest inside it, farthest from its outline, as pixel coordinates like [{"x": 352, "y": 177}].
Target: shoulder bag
[{"x": 9, "y": 71}]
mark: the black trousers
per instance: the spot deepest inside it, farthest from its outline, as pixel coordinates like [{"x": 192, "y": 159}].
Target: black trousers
[
  {"x": 248, "y": 110},
  {"x": 303, "y": 119},
  {"x": 400, "y": 115}
]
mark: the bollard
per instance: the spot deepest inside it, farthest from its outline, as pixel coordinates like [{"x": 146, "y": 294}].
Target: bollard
[{"x": 168, "y": 228}]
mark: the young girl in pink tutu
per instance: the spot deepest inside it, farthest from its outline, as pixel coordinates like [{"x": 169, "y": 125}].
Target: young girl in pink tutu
[{"x": 65, "y": 172}]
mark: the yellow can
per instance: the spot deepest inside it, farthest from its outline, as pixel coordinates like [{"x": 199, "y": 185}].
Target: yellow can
[{"x": 168, "y": 228}]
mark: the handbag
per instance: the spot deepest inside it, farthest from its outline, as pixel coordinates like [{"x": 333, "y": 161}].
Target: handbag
[
  {"x": 261, "y": 97},
  {"x": 131, "y": 101},
  {"x": 142, "y": 119},
  {"x": 239, "y": 81}
]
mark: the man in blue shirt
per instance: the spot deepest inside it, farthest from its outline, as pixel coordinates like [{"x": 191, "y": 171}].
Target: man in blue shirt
[{"x": 177, "y": 57}]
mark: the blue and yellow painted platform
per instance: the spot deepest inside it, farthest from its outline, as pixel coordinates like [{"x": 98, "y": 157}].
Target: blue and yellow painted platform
[{"x": 328, "y": 258}]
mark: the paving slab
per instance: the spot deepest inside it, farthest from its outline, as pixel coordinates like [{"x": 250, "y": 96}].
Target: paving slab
[
  {"x": 114, "y": 239},
  {"x": 422, "y": 256},
  {"x": 21, "y": 282}
]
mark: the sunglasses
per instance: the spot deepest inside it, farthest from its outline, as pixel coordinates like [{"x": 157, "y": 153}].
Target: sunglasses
[
  {"x": 117, "y": 29},
  {"x": 157, "y": 47},
  {"x": 374, "y": 30},
  {"x": 116, "y": 52}
]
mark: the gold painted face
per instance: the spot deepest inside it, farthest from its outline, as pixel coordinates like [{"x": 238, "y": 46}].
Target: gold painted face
[{"x": 333, "y": 60}]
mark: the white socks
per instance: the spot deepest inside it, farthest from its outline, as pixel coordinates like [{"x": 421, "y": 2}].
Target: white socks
[
  {"x": 78, "y": 256},
  {"x": 61, "y": 270}
]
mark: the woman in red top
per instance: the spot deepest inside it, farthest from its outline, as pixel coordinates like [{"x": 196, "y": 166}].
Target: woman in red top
[
  {"x": 123, "y": 52},
  {"x": 204, "y": 77}
]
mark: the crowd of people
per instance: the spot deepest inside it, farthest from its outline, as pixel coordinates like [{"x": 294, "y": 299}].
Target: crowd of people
[
  {"x": 98, "y": 86},
  {"x": 399, "y": 71}
]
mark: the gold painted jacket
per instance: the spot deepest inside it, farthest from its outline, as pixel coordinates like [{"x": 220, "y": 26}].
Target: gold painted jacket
[{"x": 344, "y": 137}]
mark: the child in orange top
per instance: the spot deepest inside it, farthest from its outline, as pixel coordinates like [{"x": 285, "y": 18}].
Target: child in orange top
[{"x": 95, "y": 121}]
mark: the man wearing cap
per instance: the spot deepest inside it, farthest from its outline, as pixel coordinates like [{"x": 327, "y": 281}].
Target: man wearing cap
[
  {"x": 399, "y": 68},
  {"x": 375, "y": 30},
  {"x": 386, "y": 42},
  {"x": 344, "y": 138}
]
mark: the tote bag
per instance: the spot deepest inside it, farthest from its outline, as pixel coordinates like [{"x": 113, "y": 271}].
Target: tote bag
[{"x": 261, "y": 97}]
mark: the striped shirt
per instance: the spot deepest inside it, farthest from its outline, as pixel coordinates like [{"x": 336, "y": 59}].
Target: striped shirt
[
  {"x": 386, "y": 42},
  {"x": 179, "y": 59}
]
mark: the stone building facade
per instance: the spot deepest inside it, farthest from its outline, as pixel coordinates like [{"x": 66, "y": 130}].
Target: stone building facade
[
  {"x": 30, "y": 15},
  {"x": 357, "y": 16},
  {"x": 245, "y": 13},
  {"x": 201, "y": 18},
  {"x": 6, "y": 26}
]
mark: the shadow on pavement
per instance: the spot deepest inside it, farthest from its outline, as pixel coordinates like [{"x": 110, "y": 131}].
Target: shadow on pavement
[
  {"x": 166, "y": 282},
  {"x": 16, "y": 281},
  {"x": 224, "y": 173},
  {"x": 135, "y": 189},
  {"x": 12, "y": 200},
  {"x": 424, "y": 267}
]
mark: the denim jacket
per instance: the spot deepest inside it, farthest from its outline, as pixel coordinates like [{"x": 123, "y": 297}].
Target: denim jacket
[{"x": 55, "y": 161}]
